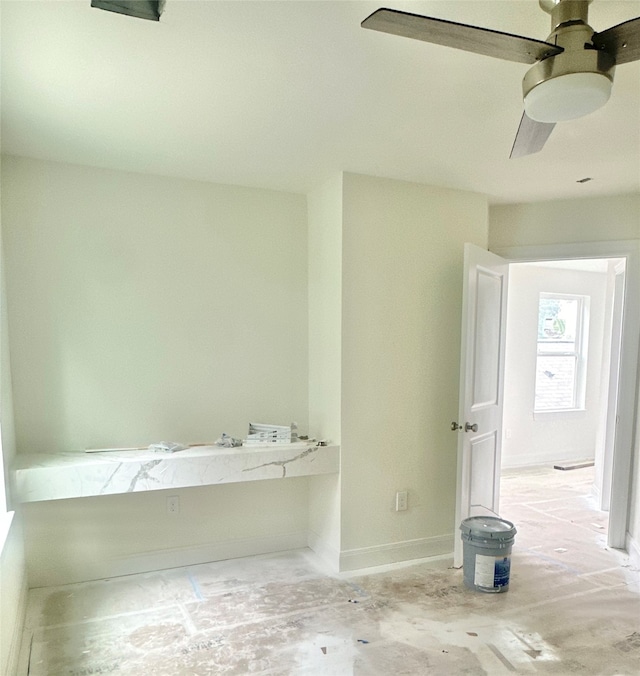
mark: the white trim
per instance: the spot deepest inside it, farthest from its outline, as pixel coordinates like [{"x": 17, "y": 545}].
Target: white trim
[
  {"x": 431, "y": 561},
  {"x": 579, "y": 352},
  {"x": 628, "y": 382},
  {"x": 328, "y": 554},
  {"x": 166, "y": 558},
  {"x": 633, "y": 548},
  {"x": 556, "y": 413},
  {"x": 15, "y": 575},
  {"x": 393, "y": 552},
  {"x": 6, "y": 519},
  {"x": 569, "y": 251},
  {"x": 15, "y": 659}
]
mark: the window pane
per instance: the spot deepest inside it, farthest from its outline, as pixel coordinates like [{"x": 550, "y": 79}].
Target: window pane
[
  {"x": 555, "y": 382},
  {"x": 557, "y": 322}
]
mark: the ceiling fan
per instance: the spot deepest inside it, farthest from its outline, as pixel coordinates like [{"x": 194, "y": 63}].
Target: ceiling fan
[{"x": 572, "y": 70}]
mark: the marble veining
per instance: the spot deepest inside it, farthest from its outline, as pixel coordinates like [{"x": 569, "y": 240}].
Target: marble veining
[
  {"x": 49, "y": 476},
  {"x": 282, "y": 463}
]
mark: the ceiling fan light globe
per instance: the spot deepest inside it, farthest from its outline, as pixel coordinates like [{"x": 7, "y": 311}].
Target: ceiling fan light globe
[{"x": 567, "y": 97}]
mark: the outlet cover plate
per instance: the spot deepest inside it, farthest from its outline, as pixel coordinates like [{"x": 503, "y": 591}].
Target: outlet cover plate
[
  {"x": 401, "y": 501},
  {"x": 173, "y": 505}
]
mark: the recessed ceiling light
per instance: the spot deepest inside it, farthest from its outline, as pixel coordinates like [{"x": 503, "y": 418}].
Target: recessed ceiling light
[{"x": 584, "y": 180}]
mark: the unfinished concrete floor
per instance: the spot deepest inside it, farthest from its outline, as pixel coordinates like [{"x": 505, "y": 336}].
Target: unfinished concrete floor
[{"x": 573, "y": 608}]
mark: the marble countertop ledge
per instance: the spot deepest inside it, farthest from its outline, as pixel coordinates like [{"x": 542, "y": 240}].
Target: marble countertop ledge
[{"x": 57, "y": 476}]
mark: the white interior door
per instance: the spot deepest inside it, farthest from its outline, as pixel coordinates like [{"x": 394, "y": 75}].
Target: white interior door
[{"x": 484, "y": 312}]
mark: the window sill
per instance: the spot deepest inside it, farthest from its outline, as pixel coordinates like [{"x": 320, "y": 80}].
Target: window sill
[{"x": 558, "y": 413}]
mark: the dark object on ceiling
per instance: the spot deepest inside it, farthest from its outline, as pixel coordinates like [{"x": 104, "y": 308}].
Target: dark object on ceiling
[{"x": 141, "y": 9}]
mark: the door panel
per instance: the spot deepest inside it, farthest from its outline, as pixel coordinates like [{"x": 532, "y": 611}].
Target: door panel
[
  {"x": 484, "y": 488},
  {"x": 486, "y": 355}
]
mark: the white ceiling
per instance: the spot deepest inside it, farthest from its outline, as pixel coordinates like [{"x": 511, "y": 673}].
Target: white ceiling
[{"x": 284, "y": 94}]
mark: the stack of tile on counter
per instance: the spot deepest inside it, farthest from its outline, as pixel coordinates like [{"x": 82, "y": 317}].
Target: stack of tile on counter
[{"x": 263, "y": 435}]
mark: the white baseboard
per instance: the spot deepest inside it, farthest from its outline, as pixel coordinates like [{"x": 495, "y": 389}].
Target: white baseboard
[
  {"x": 13, "y": 659},
  {"x": 328, "y": 554},
  {"x": 354, "y": 559},
  {"x": 633, "y": 549},
  {"x": 14, "y": 591},
  {"x": 394, "y": 552},
  {"x": 84, "y": 570}
]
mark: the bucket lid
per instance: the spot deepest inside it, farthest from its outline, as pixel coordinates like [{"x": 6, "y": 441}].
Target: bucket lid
[{"x": 489, "y": 527}]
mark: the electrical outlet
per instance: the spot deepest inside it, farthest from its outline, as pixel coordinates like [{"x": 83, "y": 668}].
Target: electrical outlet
[
  {"x": 401, "y": 501},
  {"x": 173, "y": 504}
]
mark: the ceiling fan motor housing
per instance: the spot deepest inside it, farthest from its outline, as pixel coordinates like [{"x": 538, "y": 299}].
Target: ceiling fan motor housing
[{"x": 578, "y": 80}]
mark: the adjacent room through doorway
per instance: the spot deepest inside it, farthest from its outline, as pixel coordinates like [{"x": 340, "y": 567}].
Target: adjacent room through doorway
[{"x": 561, "y": 376}]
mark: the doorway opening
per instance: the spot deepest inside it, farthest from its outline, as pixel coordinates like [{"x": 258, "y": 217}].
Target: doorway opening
[{"x": 562, "y": 363}]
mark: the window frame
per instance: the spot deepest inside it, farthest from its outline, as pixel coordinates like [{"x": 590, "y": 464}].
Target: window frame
[{"x": 579, "y": 353}]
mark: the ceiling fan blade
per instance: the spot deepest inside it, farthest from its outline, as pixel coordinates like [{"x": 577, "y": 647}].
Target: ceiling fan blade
[
  {"x": 141, "y": 9},
  {"x": 461, "y": 36},
  {"x": 531, "y": 137},
  {"x": 621, "y": 41}
]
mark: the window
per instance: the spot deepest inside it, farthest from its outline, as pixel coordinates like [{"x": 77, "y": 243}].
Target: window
[{"x": 562, "y": 350}]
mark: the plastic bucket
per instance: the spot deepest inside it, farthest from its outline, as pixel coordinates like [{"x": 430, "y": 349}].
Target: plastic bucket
[{"x": 486, "y": 558}]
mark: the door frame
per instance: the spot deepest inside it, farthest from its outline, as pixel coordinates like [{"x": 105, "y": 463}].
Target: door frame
[
  {"x": 628, "y": 369},
  {"x": 608, "y": 439}
]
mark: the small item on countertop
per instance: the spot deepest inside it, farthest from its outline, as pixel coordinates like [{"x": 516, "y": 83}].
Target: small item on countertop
[
  {"x": 261, "y": 434},
  {"x": 227, "y": 441},
  {"x": 167, "y": 447}
]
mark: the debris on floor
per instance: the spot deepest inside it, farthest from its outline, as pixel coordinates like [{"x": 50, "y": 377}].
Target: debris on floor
[
  {"x": 572, "y": 464},
  {"x": 572, "y": 608}
]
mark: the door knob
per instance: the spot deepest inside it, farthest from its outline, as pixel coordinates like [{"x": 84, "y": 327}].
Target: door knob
[{"x": 468, "y": 427}]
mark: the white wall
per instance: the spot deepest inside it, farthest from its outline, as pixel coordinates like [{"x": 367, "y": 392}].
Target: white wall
[
  {"x": 547, "y": 437},
  {"x": 90, "y": 538},
  {"x": 592, "y": 219},
  {"x": 13, "y": 578},
  {"x": 144, "y": 309},
  {"x": 7, "y": 429},
  {"x": 572, "y": 221},
  {"x": 111, "y": 275},
  {"x": 325, "y": 308},
  {"x": 385, "y": 281},
  {"x": 325, "y": 357},
  {"x": 402, "y": 298}
]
